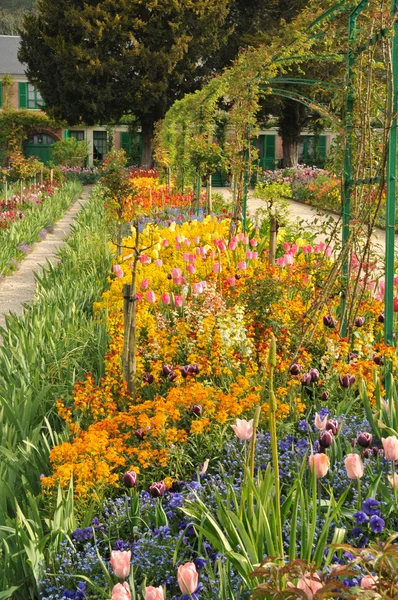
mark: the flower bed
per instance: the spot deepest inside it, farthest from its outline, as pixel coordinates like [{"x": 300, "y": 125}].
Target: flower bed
[{"x": 29, "y": 219}]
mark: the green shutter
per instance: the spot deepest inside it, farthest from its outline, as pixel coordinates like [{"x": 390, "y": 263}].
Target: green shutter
[
  {"x": 269, "y": 152},
  {"x": 66, "y": 134},
  {"x": 125, "y": 141},
  {"x": 1, "y": 94},
  {"x": 322, "y": 146},
  {"x": 22, "y": 94}
]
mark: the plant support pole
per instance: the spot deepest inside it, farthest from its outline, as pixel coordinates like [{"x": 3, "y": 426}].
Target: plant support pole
[{"x": 390, "y": 205}]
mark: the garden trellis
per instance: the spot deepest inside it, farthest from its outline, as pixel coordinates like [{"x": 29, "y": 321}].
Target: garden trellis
[{"x": 365, "y": 117}]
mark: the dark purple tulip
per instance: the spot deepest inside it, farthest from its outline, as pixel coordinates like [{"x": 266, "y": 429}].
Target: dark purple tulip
[
  {"x": 325, "y": 396},
  {"x": 328, "y": 321},
  {"x": 169, "y": 276},
  {"x": 158, "y": 489},
  {"x": 194, "y": 369},
  {"x": 352, "y": 356},
  {"x": 237, "y": 276},
  {"x": 365, "y": 439},
  {"x": 185, "y": 371},
  {"x": 130, "y": 479},
  {"x": 306, "y": 379},
  {"x": 380, "y": 318},
  {"x": 367, "y": 453},
  {"x": 347, "y": 381},
  {"x": 326, "y": 439},
  {"x": 314, "y": 375},
  {"x": 332, "y": 426},
  {"x": 140, "y": 434},
  {"x": 378, "y": 360},
  {"x": 294, "y": 369},
  {"x": 167, "y": 370},
  {"x": 359, "y": 321},
  {"x": 196, "y": 409},
  {"x": 172, "y": 376},
  {"x": 148, "y": 378},
  {"x": 376, "y": 451}
]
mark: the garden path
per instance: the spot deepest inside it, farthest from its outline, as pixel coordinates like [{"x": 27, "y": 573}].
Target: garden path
[
  {"x": 19, "y": 287},
  {"x": 302, "y": 212}
]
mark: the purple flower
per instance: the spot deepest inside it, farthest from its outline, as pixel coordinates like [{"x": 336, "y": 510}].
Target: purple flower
[
  {"x": 158, "y": 489},
  {"x": 371, "y": 506},
  {"x": 326, "y": 439},
  {"x": 328, "y": 321},
  {"x": 360, "y": 517},
  {"x": 359, "y": 321},
  {"x": 347, "y": 381},
  {"x": 294, "y": 369},
  {"x": 364, "y": 439},
  {"x": 376, "y": 524},
  {"x": 303, "y": 425}
]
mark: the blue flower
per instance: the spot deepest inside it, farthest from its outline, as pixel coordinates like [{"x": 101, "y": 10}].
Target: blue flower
[
  {"x": 303, "y": 425},
  {"x": 200, "y": 563},
  {"x": 376, "y": 524},
  {"x": 360, "y": 517},
  {"x": 370, "y": 506}
]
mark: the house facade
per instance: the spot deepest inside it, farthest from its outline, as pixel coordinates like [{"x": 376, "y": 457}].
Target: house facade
[{"x": 22, "y": 95}]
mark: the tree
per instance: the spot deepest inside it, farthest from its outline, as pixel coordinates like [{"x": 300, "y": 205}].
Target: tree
[{"x": 119, "y": 56}]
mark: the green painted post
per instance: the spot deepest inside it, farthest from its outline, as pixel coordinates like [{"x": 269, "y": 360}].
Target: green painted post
[
  {"x": 245, "y": 188},
  {"x": 184, "y": 128},
  {"x": 347, "y": 174},
  {"x": 391, "y": 206}
]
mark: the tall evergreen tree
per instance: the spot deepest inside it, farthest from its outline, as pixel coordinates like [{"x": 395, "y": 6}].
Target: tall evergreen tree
[{"x": 94, "y": 61}]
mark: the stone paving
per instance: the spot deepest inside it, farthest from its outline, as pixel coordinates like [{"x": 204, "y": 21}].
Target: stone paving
[{"x": 20, "y": 287}]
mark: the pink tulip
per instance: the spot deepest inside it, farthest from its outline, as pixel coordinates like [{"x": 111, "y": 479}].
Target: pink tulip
[
  {"x": 121, "y": 591},
  {"x": 354, "y": 466},
  {"x": 191, "y": 269},
  {"x": 152, "y": 593},
  {"x": 203, "y": 251},
  {"x": 197, "y": 288},
  {"x": 328, "y": 251},
  {"x": 309, "y": 585},
  {"x": 232, "y": 245},
  {"x": 158, "y": 262},
  {"x": 294, "y": 249},
  {"x": 145, "y": 260},
  {"x": 178, "y": 239},
  {"x": 390, "y": 446},
  {"x": 306, "y": 249},
  {"x": 120, "y": 561},
  {"x": 150, "y": 296},
  {"x": 286, "y": 246},
  {"x": 185, "y": 256},
  {"x": 288, "y": 259},
  {"x": 369, "y": 581},
  {"x": 231, "y": 281},
  {"x": 165, "y": 298},
  {"x": 187, "y": 242},
  {"x": 243, "y": 429},
  {"x": 187, "y": 577},
  {"x": 241, "y": 237},
  {"x": 320, "y": 423},
  {"x": 144, "y": 284},
  {"x": 321, "y": 463},
  {"x": 178, "y": 280},
  {"x": 242, "y": 265},
  {"x": 322, "y": 246},
  {"x": 117, "y": 269},
  {"x": 248, "y": 254},
  {"x": 196, "y": 240},
  {"x": 280, "y": 261},
  {"x": 212, "y": 253},
  {"x": 204, "y": 467},
  {"x": 165, "y": 243},
  {"x": 253, "y": 243},
  {"x": 393, "y": 481},
  {"x": 254, "y": 255},
  {"x": 217, "y": 268},
  {"x": 245, "y": 240},
  {"x": 175, "y": 273},
  {"x": 178, "y": 301}
]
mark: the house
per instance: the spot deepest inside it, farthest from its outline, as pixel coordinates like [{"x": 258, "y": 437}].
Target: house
[{"x": 23, "y": 95}]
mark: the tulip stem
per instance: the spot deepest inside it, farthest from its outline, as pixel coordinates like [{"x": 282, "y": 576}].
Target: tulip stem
[
  {"x": 251, "y": 460},
  {"x": 393, "y": 482},
  {"x": 359, "y": 497}
]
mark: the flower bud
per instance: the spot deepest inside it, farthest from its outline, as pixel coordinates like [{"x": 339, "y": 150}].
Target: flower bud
[
  {"x": 352, "y": 356},
  {"x": 364, "y": 439},
  {"x": 380, "y": 318},
  {"x": 367, "y": 453},
  {"x": 326, "y": 439},
  {"x": 390, "y": 447},
  {"x": 130, "y": 479},
  {"x": 196, "y": 409},
  {"x": 320, "y": 463},
  {"x": 185, "y": 371},
  {"x": 294, "y": 369},
  {"x": 328, "y": 321},
  {"x": 314, "y": 375},
  {"x": 148, "y": 378},
  {"x": 347, "y": 381},
  {"x": 140, "y": 434},
  {"x": 306, "y": 379},
  {"x": 158, "y": 489},
  {"x": 359, "y": 321},
  {"x": 378, "y": 360},
  {"x": 167, "y": 370},
  {"x": 354, "y": 466},
  {"x": 325, "y": 396},
  {"x": 332, "y": 426}
]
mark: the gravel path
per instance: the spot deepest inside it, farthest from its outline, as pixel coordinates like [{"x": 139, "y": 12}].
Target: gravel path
[
  {"x": 19, "y": 287},
  {"x": 303, "y": 212}
]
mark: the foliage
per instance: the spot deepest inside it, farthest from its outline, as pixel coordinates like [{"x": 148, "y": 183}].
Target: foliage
[
  {"x": 24, "y": 168},
  {"x": 42, "y": 355},
  {"x": 70, "y": 152},
  {"x": 11, "y": 21},
  {"x": 206, "y": 156}
]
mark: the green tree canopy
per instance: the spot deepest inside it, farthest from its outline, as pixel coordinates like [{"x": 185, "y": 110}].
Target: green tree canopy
[{"x": 95, "y": 61}]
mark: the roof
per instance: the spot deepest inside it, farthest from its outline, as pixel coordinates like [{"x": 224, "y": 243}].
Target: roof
[{"x": 9, "y": 63}]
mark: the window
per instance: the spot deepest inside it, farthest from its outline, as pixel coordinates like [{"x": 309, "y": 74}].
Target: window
[
  {"x": 100, "y": 145},
  {"x": 40, "y": 139},
  {"x": 78, "y": 135},
  {"x": 34, "y": 98}
]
